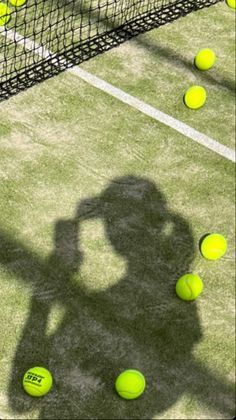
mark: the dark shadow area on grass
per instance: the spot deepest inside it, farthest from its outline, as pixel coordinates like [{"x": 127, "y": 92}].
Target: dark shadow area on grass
[
  {"x": 173, "y": 57},
  {"x": 136, "y": 323},
  {"x": 129, "y": 25},
  {"x": 156, "y": 49}
]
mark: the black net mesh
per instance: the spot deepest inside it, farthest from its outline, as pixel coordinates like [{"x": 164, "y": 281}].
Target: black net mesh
[{"x": 40, "y": 38}]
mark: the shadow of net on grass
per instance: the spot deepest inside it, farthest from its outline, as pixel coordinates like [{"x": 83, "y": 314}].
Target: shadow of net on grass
[
  {"x": 173, "y": 56},
  {"x": 164, "y": 16},
  {"x": 136, "y": 323},
  {"x": 45, "y": 38}
]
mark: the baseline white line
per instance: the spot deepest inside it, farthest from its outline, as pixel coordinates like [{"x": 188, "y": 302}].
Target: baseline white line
[{"x": 124, "y": 97}]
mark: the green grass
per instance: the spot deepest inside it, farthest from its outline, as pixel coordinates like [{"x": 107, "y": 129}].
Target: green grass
[
  {"x": 101, "y": 211},
  {"x": 152, "y": 66}
]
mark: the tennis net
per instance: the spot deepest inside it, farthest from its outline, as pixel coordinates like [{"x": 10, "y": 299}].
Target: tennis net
[{"x": 41, "y": 38}]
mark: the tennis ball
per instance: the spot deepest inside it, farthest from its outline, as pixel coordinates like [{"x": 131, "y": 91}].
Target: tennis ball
[
  {"x": 213, "y": 246},
  {"x": 5, "y": 14},
  {"x": 189, "y": 286},
  {"x": 195, "y": 97},
  {"x": 37, "y": 381},
  {"x": 205, "y": 59},
  {"x": 130, "y": 384},
  {"x": 18, "y": 3},
  {"x": 231, "y": 3}
]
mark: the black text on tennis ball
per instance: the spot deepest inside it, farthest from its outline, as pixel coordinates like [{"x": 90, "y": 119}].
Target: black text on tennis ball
[{"x": 37, "y": 381}]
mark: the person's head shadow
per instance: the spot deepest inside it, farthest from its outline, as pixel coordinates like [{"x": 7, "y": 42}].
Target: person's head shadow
[
  {"x": 137, "y": 323},
  {"x": 158, "y": 247}
]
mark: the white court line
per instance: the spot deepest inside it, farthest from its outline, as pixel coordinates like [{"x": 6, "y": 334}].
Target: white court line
[
  {"x": 136, "y": 103},
  {"x": 156, "y": 114}
]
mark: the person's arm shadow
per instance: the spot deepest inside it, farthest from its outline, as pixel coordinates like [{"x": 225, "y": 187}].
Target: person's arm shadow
[{"x": 49, "y": 281}]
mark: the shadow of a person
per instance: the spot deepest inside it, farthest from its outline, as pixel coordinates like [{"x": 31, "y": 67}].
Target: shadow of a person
[{"x": 136, "y": 323}]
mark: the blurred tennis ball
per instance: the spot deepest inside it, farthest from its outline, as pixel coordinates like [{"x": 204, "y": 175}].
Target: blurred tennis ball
[
  {"x": 213, "y": 246},
  {"x": 195, "y": 97},
  {"x": 5, "y": 14},
  {"x": 37, "y": 381},
  {"x": 18, "y": 3},
  {"x": 189, "y": 287},
  {"x": 130, "y": 384},
  {"x": 205, "y": 59},
  {"x": 231, "y": 3}
]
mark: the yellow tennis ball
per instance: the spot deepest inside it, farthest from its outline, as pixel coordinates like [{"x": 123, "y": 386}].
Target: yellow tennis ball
[
  {"x": 195, "y": 97},
  {"x": 37, "y": 381},
  {"x": 130, "y": 384},
  {"x": 213, "y": 246},
  {"x": 231, "y": 3},
  {"x": 205, "y": 59},
  {"x": 18, "y": 3},
  {"x": 5, "y": 14},
  {"x": 189, "y": 286}
]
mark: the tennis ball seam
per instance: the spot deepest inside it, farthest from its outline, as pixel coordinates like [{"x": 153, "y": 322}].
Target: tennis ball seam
[
  {"x": 124, "y": 389},
  {"x": 6, "y": 14},
  {"x": 130, "y": 392},
  {"x": 188, "y": 285}
]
